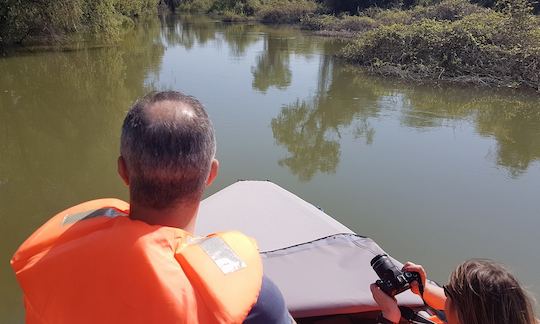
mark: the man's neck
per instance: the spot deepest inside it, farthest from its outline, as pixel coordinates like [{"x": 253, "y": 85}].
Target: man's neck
[{"x": 181, "y": 216}]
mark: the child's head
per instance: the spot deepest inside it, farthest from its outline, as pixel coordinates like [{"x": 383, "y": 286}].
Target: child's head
[{"x": 482, "y": 291}]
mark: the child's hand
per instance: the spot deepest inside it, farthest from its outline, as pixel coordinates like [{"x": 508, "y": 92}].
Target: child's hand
[
  {"x": 411, "y": 267},
  {"x": 388, "y": 305}
]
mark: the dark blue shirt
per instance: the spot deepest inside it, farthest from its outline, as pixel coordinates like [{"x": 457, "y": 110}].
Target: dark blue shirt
[{"x": 270, "y": 306}]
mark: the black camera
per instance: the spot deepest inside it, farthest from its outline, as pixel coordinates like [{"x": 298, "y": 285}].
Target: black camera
[{"x": 393, "y": 281}]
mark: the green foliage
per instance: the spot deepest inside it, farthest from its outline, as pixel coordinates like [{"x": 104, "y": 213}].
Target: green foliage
[
  {"x": 20, "y": 19},
  {"x": 238, "y": 7},
  {"x": 27, "y": 20},
  {"x": 268, "y": 11},
  {"x": 232, "y": 16},
  {"x": 486, "y": 47},
  {"x": 333, "y": 23},
  {"x": 451, "y": 10},
  {"x": 355, "y": 6},
  {"x": 286, "y": 11},
  {"x": 390, "y": 16},
  {"x": 444, "y": 10},
  {"x": 535, "y": 4},
  {"x": 134, "y": 8},
  {"x": 200, "y": 6},
  {"x": 520, "y": 11}
]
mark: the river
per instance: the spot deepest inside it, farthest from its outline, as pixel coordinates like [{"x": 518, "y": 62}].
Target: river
[{"x": 435, "y": 174}]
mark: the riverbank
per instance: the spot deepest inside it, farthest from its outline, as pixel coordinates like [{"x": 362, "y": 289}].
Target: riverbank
[
  {"x": 451, "y": 40},
  {"x": 421, "y": 40},
  {"x": 463, "y": 44}
]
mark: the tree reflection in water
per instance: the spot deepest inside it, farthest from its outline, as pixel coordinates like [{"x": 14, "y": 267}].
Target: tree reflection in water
[
  {"x": 272, "y": 68},
  {"x": 512, "y": 119},
  {"x": 310, "y": 129},
  {"x": 516, "y": 127},
  {"x": 189, "y": 31},
  {"x": 311, "y": 149},
  {"x": 240, "y": 37}
]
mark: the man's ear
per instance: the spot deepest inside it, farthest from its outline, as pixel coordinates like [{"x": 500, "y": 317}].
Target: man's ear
[
  {"x": 214, "y": 168},
  {"x": 123, "y": 170}
]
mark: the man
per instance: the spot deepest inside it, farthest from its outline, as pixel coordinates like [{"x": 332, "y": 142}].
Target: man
[{"x": 105, "y": 261}]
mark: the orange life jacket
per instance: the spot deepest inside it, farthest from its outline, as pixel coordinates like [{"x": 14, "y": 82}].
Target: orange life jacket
[
  {"x": 436, "y": 320},
  {"x": 92, "y": 264}
]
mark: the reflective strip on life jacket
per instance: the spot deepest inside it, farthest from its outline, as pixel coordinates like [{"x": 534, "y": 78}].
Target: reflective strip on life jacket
[{"x": 221, "y": 265}]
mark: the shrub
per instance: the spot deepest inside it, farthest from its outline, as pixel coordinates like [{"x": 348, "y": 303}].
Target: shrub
[
  {"x": 321, "y": 22},
  {"x": 238, "y": 7},
  {"x": 487, "y": 47},
  {"x": 492, "y": 3},
  {"x": 22, "y": 20},
  {"x": 356, "y": 23},
  {"x": 200, "y": 6},
  {"x": 232, "y": 16},
  {"x": 447, "y": 10},
  {"x": 355, "y": 6},
  {"x": 391, "y": 16},
  {"x": 286, "y": 11},
  {"x": 134, "y": 8},
  {"x": 333, "y": 23}
]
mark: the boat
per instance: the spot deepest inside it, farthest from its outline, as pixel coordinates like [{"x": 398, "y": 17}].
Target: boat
[{"x": 321, "y": 266}]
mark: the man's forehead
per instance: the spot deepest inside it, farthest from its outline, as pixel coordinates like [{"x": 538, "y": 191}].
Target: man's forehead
[{"x": 168, "y": 110}]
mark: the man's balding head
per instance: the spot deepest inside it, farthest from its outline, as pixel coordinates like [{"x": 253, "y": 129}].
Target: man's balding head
[{"x": 168, "y": 146}]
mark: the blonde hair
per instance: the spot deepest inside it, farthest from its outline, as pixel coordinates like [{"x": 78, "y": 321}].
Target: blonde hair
[{"x": 484, "y": 292}]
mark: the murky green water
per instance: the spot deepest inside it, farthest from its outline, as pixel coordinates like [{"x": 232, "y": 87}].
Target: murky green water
[{"x": 434, "y": 174}]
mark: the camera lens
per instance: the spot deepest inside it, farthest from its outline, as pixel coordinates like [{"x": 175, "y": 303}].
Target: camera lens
[
  {"x": 384, "y": 267},
  {"x": 393, "y": 281},
  {"x": 377, "y": 258}
]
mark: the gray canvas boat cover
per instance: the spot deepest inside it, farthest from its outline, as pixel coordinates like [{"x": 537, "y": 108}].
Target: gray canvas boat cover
[{"x": 321, "y": 266}]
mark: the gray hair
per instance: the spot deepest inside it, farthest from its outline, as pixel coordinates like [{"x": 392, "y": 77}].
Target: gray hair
[{"x": 168, "y": 145}]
